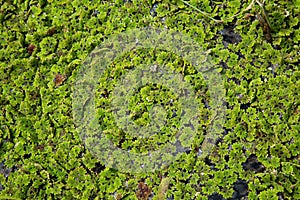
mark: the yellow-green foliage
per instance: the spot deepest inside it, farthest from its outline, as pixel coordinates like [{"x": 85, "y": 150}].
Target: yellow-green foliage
[{"x": 42, "y": 155}]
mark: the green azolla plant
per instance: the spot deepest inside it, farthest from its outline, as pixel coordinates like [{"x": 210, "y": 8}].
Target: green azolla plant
[
  {"x": 142, "y": 102},
  {"x": 39, "y": 144}
]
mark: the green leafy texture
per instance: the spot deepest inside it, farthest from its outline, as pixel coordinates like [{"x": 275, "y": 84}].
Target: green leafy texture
[{"x": 44, "y": 153}]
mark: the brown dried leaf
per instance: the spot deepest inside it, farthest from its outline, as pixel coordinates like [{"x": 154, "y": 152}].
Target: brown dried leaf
[
  {"x": 265, "y": 27},
  {"x": 51, "y": 31},
  {"x": 30, "y": 48},
  {"x": 59, "y": 79},
  {"x": 143, "y": 191}
]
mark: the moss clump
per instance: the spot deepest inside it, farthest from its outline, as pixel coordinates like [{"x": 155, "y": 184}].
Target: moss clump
[{"x": 256, "y": 156}]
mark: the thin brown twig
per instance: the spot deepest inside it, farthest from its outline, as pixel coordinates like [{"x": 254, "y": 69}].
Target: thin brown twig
[{"x": 249, "y": 7}]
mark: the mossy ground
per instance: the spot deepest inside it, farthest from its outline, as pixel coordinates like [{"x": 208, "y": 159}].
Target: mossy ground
[{"x": 42, "y": 46}]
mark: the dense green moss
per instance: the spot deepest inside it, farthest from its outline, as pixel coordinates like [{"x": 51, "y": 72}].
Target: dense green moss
[{"x": 41, "y": 153}]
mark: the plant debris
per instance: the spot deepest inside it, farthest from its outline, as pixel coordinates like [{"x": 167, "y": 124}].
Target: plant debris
[
  {"x": 265, "y": 27},
  {"x": 31, "y": 48},
  {"x": 143, "y": 191},
  {"x": 59, "y": 79}
]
